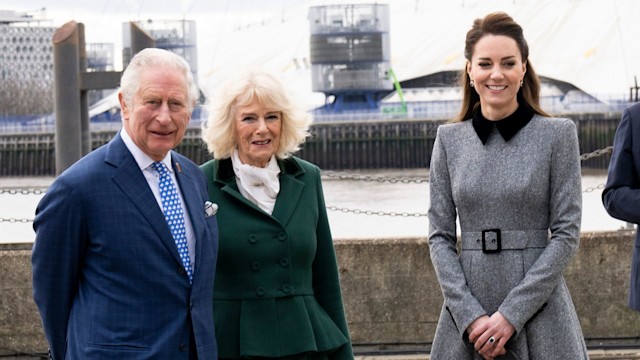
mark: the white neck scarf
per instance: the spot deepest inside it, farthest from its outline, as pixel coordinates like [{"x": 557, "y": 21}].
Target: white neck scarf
[{"x": 259, "y": 185}]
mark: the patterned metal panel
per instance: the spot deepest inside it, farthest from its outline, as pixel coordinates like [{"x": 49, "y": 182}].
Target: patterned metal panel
[{"x": 26, "y": 70}]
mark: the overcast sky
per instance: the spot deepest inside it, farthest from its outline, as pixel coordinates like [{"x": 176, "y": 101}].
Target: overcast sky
[
  {"x": 589, "y": 43},
  {"x": 143, "y": 7},
  {"x": 226, "y": 30},
  {"x": 101, "y": 15},
  {"x": 216, "y": 21}
]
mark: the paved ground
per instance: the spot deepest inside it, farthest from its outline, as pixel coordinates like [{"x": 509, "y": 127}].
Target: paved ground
[{"x": 610, "y": 354}]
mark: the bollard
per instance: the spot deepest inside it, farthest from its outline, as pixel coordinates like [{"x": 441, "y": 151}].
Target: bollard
[
  {"x": 85, "y": 130},
  {"x": 72, "y": 83},
  {"x": 68, "y": 147},
  {"x": 140, "y": 40}
]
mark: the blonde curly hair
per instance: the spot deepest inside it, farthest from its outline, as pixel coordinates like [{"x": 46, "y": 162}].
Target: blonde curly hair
[{"x": 219, "y": 133}]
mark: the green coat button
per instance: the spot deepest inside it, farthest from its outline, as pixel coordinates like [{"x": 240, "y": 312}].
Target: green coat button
[{"x": 255, "y": 266}]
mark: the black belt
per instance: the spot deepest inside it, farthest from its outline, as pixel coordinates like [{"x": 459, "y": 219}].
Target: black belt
[{"x": 495, "y": 240}]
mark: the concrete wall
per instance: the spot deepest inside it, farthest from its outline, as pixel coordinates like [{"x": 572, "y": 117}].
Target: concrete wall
[
  {"x": 390, "y": 290},
  {"x": 392, "y": 295},
  {"x": 20, "y": 326}
]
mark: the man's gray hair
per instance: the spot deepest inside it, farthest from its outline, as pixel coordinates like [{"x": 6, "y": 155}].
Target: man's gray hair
[{"x": 154, "y": 57}]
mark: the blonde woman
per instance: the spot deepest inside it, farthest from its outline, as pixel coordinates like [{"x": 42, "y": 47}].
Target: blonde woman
[{"x": 277, "y": 290}]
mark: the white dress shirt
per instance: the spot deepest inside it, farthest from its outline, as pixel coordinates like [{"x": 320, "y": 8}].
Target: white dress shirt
[{"x": 153, "y": 179}]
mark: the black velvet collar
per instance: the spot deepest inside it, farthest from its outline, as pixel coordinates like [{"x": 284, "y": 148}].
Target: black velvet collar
[{"x": 508, "y": 127}]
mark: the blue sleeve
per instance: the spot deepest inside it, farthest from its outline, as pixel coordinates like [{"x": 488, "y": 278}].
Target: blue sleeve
[
  {"x": 56, "y": 259},
  {"x": 621, "y": 195}
]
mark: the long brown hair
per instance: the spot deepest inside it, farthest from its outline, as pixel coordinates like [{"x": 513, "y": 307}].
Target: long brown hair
[{"x": 498, "y": 23}]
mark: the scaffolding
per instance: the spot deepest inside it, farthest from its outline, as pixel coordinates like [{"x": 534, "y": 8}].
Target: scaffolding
[
  {"x": 178, "y": 36},
  {"x": 350, "y": 53}
]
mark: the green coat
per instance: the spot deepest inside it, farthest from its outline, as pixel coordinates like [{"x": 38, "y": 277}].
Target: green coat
[{"x": 277, "y": 289}]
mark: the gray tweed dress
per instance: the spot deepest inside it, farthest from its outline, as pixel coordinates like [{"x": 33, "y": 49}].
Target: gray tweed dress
[{"x": 518, "y": 203}]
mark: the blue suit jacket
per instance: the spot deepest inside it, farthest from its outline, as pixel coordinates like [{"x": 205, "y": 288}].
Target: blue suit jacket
[
  {"x": 107, "y": 277},
  {"x": 621, "y": 195}
]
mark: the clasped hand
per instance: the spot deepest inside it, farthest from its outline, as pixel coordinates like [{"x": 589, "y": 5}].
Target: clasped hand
[{"x": 490, "y": 334}]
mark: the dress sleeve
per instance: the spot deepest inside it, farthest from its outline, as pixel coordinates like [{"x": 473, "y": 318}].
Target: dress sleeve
[
  {"x": 458, "y": 299},
  {"x": 621, "y": 194},
  {"x": 565, "y": 213},
  {"x": 326, "y": 279}
]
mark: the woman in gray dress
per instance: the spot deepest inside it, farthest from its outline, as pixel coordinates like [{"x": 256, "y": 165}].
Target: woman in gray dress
[{"x": 510, "y": 173}]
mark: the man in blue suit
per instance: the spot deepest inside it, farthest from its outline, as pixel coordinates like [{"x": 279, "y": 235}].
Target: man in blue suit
[
  {"x": 621, "y": 195},
  {"x": 112, "y": 278}
]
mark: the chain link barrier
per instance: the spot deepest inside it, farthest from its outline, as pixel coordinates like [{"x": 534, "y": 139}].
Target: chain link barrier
[
  {"x": 15, "y": 220},
  {"x": 375, "y": 178},
  {"x": 22, "y": 191},
  {"x": 379, "y": 213},
  {"x": 333, "y": 175},
  {"x": 419, "y": 180},
  {"x": 596, "y": 153},
  {"x": 593, "y": 188}
]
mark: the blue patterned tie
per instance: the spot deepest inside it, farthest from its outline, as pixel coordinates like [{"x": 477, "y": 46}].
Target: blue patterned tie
[{"x": 173, "y": 214}]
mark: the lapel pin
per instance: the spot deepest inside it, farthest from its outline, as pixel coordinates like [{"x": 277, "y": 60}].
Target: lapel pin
[{"x": 210, "y": 208}]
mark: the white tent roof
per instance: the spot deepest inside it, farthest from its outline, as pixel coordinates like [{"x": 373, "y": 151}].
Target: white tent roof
[{"x": 590, "y": 43}]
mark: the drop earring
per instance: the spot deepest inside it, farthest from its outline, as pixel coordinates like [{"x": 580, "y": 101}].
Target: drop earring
[{"x": 472, "y": 84}]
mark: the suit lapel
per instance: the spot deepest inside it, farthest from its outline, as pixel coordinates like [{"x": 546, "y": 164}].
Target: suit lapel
[
  {"x": 193, "y": 203},
  {"x": 232, "y": 189},
  {"x": 131, "y": 181},
  {"x": 225, "y": 178},
  {"x": 288, "y": 197}
]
